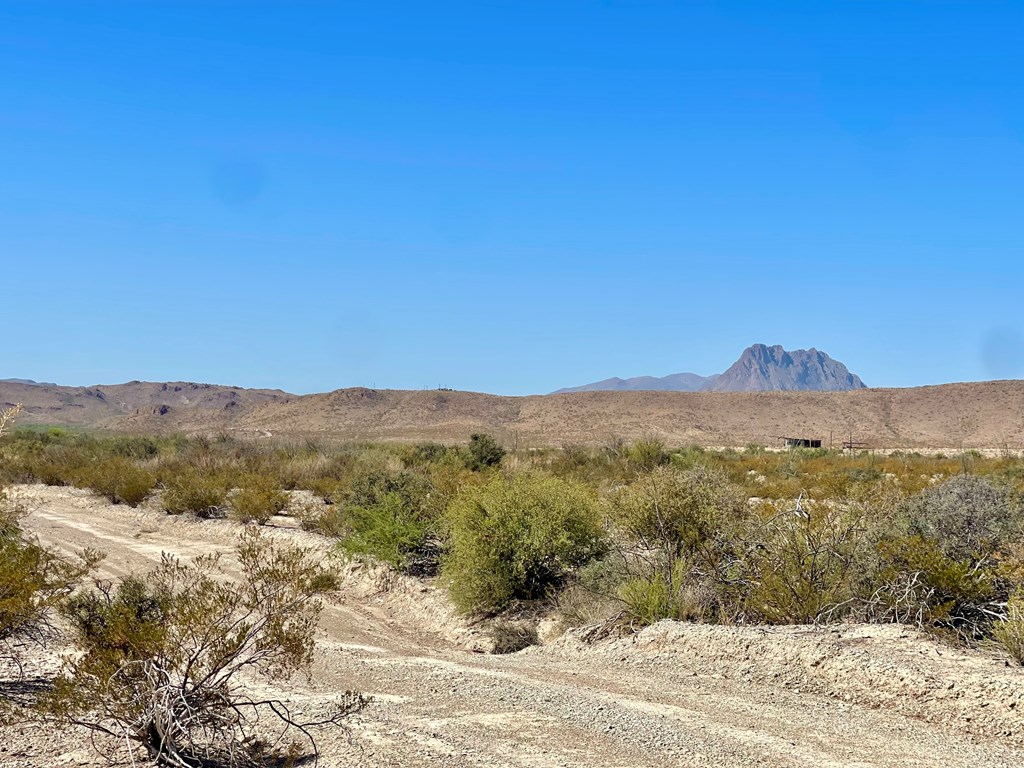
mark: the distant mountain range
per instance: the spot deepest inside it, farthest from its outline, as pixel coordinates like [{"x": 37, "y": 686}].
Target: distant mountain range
[
  {"x": 759, "y": 369},
  {"x": 975, "y": 415}
]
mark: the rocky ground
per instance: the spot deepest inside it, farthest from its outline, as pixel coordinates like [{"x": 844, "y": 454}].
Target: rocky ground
[{"x": 673, "y": 694}]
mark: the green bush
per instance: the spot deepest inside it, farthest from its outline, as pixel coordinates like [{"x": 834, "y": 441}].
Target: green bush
[
  {"x": 678, "y": 513},
  {"x": 370, "y": 488},
  {"x": 919, "y": 583},
  {"x": 258, "y": 500},
  {"x": 118, "y": 480},
  {"x": 328, "y": 489},
  {"x": 646, "y": 454},
  {"x": 33, "y": 582},
  {"x": 517, "y": 539},
  {"x": 678, "y": 529},
  {"x": 799, "y": 568},
  {"x": 483, "y": 451},
  {"x": 389, "y": 530},
  {"x": 651, "y": 599},
  {"x": 199, "y": 494}
]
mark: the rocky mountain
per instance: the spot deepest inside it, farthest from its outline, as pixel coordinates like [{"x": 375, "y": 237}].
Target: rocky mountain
[
  {"x": 759, "y": 369},
  {"x": 762, "y": 368}
]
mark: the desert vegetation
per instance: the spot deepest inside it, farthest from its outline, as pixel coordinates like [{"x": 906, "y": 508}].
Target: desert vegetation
[
  {"x": 618, "y": 537},
  {"x": 158, "y": 659},
  {"x": 626, "y": 532}
]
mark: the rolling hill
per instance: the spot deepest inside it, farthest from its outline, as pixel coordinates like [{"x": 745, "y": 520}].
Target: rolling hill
[{"x": 984, "y": 414}]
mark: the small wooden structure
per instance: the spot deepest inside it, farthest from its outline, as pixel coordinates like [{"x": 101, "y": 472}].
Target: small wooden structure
[{"x": 801, "y": 442}]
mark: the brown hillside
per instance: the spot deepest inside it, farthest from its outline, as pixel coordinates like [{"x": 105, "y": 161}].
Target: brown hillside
[
  {"x": 160, "y": 406},
  {"x": 982, "y": 415}
]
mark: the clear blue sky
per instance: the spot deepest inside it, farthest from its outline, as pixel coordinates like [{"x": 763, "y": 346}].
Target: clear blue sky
[{"x": 508, "y": 197}]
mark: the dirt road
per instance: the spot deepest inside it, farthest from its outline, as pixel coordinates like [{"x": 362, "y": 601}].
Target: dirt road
[{"x": 630, "y": 703}]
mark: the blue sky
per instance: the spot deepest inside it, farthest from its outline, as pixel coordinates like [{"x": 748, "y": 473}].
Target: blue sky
[{"x": 508, "y": 197}]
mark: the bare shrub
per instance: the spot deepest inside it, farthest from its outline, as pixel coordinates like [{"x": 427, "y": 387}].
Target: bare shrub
[
  {"x": 163, "y": 657},
  {"x": 512, "y": 636}
]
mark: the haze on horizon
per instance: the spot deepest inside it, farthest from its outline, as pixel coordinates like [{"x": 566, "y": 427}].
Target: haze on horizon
[{"x": 508, "y": 197}]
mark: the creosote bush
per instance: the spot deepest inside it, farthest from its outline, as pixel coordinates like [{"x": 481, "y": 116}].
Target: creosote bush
[
  {"x": 391, "y": 530},
  {"x": 196, "y": 493},
  {"x": 674, "y": 540},
  {"x": 33, "y": 582},
  {"x": 119, "y": 480},
  {"x": 802, "y": 564},
  {"x": 163, "y": 656},
  {"x": 517, "y": 539},
  {"x": 258, "y": 500}
]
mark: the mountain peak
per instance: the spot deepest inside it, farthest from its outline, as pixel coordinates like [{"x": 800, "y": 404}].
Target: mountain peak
[
  {"x": 764, "y": 368},
  {"x": 760, "y": 368}
]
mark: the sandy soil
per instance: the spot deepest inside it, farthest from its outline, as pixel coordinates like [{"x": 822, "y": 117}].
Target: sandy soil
[{"x": 673, "y": 694}]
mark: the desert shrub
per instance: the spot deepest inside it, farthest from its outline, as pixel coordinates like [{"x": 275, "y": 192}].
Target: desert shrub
[
  {"x": 483, "y": 451},
  {"x": 332, "y": 521},
  {"x": 258, "y": 500},
  {"x": 118, "y": 480},
  {"x": 325, "y": 488},
  {"x": 917, "y": 582},
  {"x": 802, "y": 567},
  {"x": 591, "y": 595},
  {"x": 651, "y": 598},
  {"x": 33, "y": 581},
  {"x": 136, "y": 447},
  {"x": 968, "y": 516},
  {"x": 199, "y": 494},
  {"x": 427, "y": 453},
  {"x": 1009, "y": 630},
  {"x": 646, "y": 454},
  {"x": 54, "y": 463},
  {"x": 681, "y": 514},
  {"x": 517, "y": 539},
  {"x": 385, "y": 514},
  {"x": 948, "y": 561},
  {"x": 161, "y": 656},
  {"x": 512, "y": 636},
  {"x": 389, "y": 530},
  {"x": 369, "y": 488}
]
